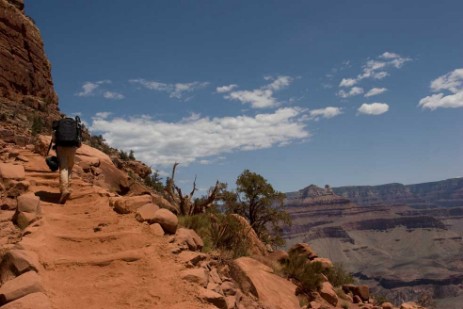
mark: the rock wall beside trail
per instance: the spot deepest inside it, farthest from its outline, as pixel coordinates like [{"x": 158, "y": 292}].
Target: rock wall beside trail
[{"x": 25, "y": 68}]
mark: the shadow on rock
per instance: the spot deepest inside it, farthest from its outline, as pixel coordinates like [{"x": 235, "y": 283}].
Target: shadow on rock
[{"x": 48, "y": 197}]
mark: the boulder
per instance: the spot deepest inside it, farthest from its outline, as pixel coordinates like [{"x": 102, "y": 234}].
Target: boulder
[
  {"x": 213, "y": 298},
  {"x": 29, "y": 202},
  {"x": 361, "y": 290},
  {"x": 12, "y": 171},
  {"x": 16, "y": 262},
  {"x": 327, "y": 293},
  {"x": 24, "y": 219},
  {"x": 163, "y": 203},
  {"x": 130, "y": 204},
  {"x": 303, "y": 249},
  {"x": 196, "y": 275},
  {"x": 167, "y": 220},
  {"x": 190, "y": 238},
  {"x": 156, "y": 229},
  {"x": 255, "y": 245},
  {"x": 146, "y": 213},
  {"x": 31, "y": 301},
  {"x": 258, "y": 279},
  {"x": 18, "y": 287}
]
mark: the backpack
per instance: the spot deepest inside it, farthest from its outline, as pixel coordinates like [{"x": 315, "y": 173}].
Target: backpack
[{"x": 68, "y": 132}]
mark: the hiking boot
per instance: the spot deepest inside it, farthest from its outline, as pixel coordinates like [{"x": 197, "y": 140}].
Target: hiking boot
[{"x": 64, "y": 197}]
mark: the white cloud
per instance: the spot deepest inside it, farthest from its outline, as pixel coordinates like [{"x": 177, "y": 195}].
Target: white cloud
[
  {"x": 352, "y": 92},
  {"x": 113, "y": 95},
  {"x": 176, "y": 90},
  {"x": 442, "y": 101},
  {"x": 375, "y": 91},
  {"x": 377, "y": 68},
  {"x": 195, "y": 138},
  {"x": 452, "y": 82},
  {"x": 89, "y": 88},
  {"x": 263, "y": 96},
  {"x": 373, "y": 108},
  {"x": 347, "y": 82},
  {"x": 227, "y": 88},
  {"x": 327, "y": 112}
]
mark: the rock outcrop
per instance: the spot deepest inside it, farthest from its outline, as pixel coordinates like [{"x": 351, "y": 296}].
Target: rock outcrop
[{"x": 26, "y": 71}]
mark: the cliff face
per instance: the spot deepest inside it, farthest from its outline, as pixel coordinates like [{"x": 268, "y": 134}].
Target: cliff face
[
  {"x": 28, "y": 102},
  {"x": 25, "y": 69},
  {"x": 446, "y": 193},
  {"x": 403, "y": 241}
]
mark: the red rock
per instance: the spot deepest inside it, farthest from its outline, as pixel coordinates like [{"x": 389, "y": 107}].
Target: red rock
[
  {"x": 196, "y": 275},
  {"x": 18, "y": 287},
  {"x": 24, "y": 66},
  {"x": 256, "y": 246},
  {"x": 17, "y": 262},
  {"x": 328, "y": 293},
  {"x": 31, "y": 301},
  {"x": 157, "y": 230},
  {"x": 167, "y": 220},
  {"x": 191, "y": 257},
  {"x": 146, "y": 213},
  {"x": 190, "y": 238},
  {"x": 258, "y": 279},
  {"x": 214, "y": 298},
  {"x": 29, "y": 202},
  {"x": 24, "y": 219},
  {"x": 12, "y": 172},
  {"x": 130, "y": 204},
  {"x": 361, "y": 290}
]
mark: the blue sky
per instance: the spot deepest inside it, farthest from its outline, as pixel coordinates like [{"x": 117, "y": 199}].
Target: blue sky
[{"x": 301, "y": 92}]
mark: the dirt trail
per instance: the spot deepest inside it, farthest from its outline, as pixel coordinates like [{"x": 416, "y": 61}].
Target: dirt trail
[{"x": 96, "y": 258}]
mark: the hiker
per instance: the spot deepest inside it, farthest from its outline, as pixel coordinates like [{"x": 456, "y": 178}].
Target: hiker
[{"x": 67, "y": 137}]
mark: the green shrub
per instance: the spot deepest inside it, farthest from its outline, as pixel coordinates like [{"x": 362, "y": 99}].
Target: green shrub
[
  {"x": 219, "y": 232},
  {"x": 37, "y": 125},
  {"x": 123, "y": 155},
  {"x": 338, "y": 276},
  {"x": 309, "y": 275},
  {"x": 154, "y": 181}
]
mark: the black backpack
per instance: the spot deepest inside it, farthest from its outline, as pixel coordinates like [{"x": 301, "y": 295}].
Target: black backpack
[{"x": 68, "y": 132}]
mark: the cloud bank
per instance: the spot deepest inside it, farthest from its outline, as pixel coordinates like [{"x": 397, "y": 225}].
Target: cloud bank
[
  {"x": 451, "y": 82},
  {"x": 198, "y": 138}
]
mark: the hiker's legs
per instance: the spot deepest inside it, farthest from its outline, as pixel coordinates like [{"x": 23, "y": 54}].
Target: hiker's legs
[{"x": 66, "y": 163}]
